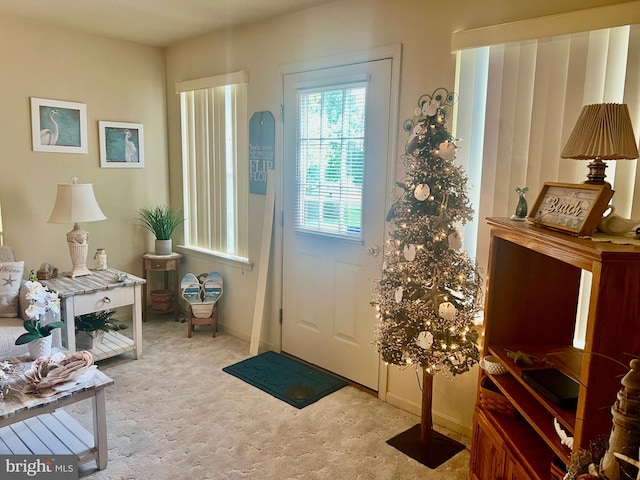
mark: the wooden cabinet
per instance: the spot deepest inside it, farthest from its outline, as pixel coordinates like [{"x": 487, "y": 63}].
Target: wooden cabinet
[{"x": 531, "y": 302}]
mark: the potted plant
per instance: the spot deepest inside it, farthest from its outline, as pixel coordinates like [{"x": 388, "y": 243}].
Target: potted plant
[
  {"x": 161, "y": 221},
  {"x": 38, "y": 336},
  {"x": 90, "y": 328}
]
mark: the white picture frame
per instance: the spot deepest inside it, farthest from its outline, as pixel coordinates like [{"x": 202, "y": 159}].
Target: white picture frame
[
  {"x": 121, "y": 144},
  {"x": 58, "y": 126}
]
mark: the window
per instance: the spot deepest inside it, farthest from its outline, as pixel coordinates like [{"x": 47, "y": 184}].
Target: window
[
  {"x": 330, "y": 164},
  {"x": 215, "y": 164}
]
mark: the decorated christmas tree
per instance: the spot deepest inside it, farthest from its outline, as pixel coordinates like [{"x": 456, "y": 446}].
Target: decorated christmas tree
[{"x": 430, "y": 289}]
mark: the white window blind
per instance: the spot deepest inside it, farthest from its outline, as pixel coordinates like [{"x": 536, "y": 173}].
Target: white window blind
[
  {"x": 215, "y": 163},
  {"x": 331, "y": 160},
  {"x": 518, "y": 103}
]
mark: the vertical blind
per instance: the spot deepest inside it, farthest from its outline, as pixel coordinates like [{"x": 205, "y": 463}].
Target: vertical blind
[
  {"x": 215, "y": 167},
  {"x": 331, "y": 160},
  {"x": 518, "y": 103}
]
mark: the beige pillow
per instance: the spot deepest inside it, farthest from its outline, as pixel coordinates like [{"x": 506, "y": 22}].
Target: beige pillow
[{"x": 10, "y": 279}]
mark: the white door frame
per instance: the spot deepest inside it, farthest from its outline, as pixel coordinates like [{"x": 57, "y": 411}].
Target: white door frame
[{"x": 392, "y": 52}]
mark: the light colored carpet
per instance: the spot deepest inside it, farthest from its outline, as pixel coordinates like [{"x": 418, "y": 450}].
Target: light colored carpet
[{"x": 174, "y": 414}]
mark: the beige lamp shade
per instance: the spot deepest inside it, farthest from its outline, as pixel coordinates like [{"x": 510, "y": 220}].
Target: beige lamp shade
[
  {"x": 76, "y": 203},
  {"x": 603, "y": 132}
]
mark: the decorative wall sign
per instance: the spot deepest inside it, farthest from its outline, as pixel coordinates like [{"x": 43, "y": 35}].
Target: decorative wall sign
[
  {"x": 58, "y": 126},
  {"x": 121, "y": 145},
  {"x": 262, "y": 139},
  {"x": 573, "y": 208}
]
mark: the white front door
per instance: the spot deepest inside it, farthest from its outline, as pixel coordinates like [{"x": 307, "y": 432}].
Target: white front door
[{"x": 336, "y": 134}]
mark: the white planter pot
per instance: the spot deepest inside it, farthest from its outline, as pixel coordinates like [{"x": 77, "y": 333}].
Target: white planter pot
[
  {"x": 88, "y": 340},
  {"x": 40, "y": 347},
  {"x": 163, "y": 247}
]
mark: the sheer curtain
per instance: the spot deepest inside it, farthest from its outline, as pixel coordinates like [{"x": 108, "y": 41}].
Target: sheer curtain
[{"x": 518, "y": 103}]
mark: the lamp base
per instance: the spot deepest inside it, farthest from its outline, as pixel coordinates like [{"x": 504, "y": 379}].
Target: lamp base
[
  {"x": 77, "y": 239},
  {"x": 596, "y": 172}
]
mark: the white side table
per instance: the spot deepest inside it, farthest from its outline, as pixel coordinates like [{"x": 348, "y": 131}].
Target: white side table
[{"x": 94, "y": 293}]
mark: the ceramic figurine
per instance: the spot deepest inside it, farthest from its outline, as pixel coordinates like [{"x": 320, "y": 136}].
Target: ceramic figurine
[
  {"x": 521, "y": 208},
  {"x": 615, "y": 224}
]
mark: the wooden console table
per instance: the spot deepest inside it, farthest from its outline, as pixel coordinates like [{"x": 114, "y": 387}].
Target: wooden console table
[
  {"x": 39, "y": 426},
  {"x": 94, "y": 293}
]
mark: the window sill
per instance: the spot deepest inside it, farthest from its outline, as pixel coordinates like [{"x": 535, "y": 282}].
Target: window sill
[{"x": 239, "y": 262}]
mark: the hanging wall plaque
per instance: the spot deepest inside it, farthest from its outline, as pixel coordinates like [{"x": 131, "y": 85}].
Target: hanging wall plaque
[{"x": 261, "y": 150}]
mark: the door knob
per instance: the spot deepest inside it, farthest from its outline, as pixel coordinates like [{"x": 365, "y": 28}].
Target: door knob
[{"x": 373, "y": 250}]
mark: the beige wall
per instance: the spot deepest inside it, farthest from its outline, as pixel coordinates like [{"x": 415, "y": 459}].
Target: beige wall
[{"x": 118, "y": 81}]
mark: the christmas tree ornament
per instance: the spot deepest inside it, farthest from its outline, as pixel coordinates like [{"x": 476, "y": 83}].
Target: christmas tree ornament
[
  {"x": 425, "y": 340},
  {"x": 430, "y": 108},
  {"x": 455, "y": 242},
  {"x": 409, "y": 252},
  {"x": 422, "y": 192},
  {"x": 447, "y": 151},
  {"x": 399, "y": 294},
  {"x": 447, "y": 311}
]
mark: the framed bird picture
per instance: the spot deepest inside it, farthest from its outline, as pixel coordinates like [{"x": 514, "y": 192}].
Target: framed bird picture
[
  {"x": 58, "y": 126},
  {"x": 121, "y": 145}
]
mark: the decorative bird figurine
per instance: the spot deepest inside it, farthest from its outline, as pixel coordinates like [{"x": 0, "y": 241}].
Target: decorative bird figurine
[
  {"x": 48, "y": 136},
  {"x": 614, "y": 224}
]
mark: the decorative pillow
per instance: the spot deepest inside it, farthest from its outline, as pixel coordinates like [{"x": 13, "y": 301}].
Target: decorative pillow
[{"x": 10, "y": 279}]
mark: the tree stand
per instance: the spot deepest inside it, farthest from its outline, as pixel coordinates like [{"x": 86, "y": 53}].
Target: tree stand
[{"x": 421, "y": 442}]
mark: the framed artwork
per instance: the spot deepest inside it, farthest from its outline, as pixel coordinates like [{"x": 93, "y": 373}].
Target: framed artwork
[
  {"x": 58, "y": 126},
  {"x": 121, "y": 145},
  {"x": 573, "y": 208}
]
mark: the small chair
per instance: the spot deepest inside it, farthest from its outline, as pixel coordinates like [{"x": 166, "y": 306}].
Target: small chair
[{"x": 211, "y": 289}]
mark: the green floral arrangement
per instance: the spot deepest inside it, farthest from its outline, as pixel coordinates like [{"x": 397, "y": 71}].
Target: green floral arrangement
[{"x": 91, "y": 322}]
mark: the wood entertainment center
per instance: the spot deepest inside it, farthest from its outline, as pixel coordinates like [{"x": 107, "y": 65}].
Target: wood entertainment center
[{"x": 533, "y": 283}]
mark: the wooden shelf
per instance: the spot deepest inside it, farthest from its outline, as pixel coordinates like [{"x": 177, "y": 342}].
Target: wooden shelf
[
  {"x": 114, "y": 343},
  {"x": 533, "y": 285}
]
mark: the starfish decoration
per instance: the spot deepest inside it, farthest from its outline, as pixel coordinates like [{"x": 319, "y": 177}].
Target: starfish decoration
[
  {"x": 9, "y": 280},
  {"x": 521, "y": 357}
]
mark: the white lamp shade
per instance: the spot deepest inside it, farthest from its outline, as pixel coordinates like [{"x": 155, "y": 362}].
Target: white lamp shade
[{"x": 76, "y": 203}]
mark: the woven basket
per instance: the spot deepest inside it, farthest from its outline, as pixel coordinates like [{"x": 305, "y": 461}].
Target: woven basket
[
  {"x": 162, "y": 300},
  {"x": 492, "y": 399}
]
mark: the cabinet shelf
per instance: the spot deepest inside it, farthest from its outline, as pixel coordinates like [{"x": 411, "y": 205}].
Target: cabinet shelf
[{"x": 531, "y": 303}]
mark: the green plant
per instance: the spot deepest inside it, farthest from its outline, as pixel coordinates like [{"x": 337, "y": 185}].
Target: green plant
[
  {"x": 35, "y": 331},
  {"x": 90, "y": 322},
  {"x": 161, "y": 220}
]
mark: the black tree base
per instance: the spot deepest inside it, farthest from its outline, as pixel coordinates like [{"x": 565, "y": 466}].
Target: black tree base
[{"x": 432, "y": 454}]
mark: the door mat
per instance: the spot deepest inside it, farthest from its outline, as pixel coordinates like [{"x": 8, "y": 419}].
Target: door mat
[{"x": 284, "y": 378}]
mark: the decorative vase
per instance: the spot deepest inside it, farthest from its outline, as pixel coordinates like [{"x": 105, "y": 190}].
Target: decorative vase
[
  {"x": 40, "y": 347},
  {"x": 163, "y": 247},
  {"x": 101, "y": 259},
  {"x": 88, "y": 340}
]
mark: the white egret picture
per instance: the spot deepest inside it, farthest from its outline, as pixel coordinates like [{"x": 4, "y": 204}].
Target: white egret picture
[
  {"x": 58, "y": 126},
  {"x": 121, "y": 145}
]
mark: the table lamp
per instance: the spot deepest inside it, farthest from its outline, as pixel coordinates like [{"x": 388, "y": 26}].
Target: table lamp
[
  {"x": 76, "y": 203},
  {"x": 603, "y": 132}
]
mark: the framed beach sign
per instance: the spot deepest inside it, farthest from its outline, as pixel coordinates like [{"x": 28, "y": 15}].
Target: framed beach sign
[
  {"x": 58, "y": 126},
  {"x": 121, "y": 145},
  {"x": 572, "y": 208}
]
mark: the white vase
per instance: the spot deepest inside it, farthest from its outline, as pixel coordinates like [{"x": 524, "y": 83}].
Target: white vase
[
  {"x": 40, "y": 347},
  {"x": 163, "y": 247}
]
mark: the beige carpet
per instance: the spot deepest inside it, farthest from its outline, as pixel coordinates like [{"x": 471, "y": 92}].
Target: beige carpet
[{"x": 174, "y": 414}]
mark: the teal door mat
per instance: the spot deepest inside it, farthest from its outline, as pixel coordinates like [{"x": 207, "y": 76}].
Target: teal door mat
[{"x": 284, "y": 378}]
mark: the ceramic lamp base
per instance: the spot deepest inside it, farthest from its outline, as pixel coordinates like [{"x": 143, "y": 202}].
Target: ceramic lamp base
[{"x": 77, "y": 239}]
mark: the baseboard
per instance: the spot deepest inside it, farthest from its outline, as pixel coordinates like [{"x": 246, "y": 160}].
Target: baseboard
[
  {"x": 439, "y": 419},
  {"x": 264, "y": 346}
]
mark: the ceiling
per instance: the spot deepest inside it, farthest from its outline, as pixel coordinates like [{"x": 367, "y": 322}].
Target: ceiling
[{"x": 151, "y": 22}]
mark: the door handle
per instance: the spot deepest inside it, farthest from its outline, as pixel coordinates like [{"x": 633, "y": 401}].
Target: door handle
[{"x": 373, "y": 250}]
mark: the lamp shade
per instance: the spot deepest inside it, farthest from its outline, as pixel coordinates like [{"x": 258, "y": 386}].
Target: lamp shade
[
  {"x": 76, "y": 203},
  {"x": 603, "y": 131}
]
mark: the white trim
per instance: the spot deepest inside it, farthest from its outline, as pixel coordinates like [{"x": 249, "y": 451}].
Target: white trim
[
  {"x": 627, "y": 13},
  {"x": 239, "y": 262},
  {"x": 241, "y": 76}
]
